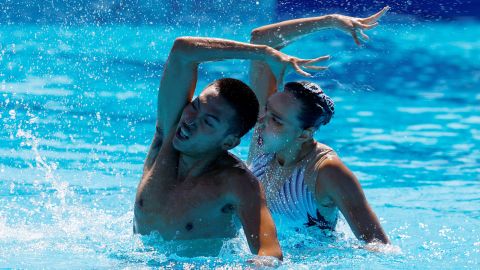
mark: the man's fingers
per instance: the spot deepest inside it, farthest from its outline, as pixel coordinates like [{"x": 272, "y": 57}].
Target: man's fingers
[
  {"x": 355, "y": 38},
  {"x": 375, "y": 17},
  {"x": 300, "y": 71},
  {"x": 316, "y": 67},
  {"x": 319, "y": 59},
  {"x": 314, "y": 60}
]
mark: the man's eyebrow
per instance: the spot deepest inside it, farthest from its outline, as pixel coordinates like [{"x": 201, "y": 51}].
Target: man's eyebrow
[
  {"x": 208, "y": 114},
  {"x": 214, "y": 117}
]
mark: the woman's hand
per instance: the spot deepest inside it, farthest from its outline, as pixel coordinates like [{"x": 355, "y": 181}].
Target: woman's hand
[
  {"x": 265, "y": 261},
  {"x": 355, "y": 26},
  {"x": 281, "y": 64}
]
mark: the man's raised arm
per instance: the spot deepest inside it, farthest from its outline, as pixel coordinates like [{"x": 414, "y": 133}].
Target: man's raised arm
[
  {"x": 179, "y": 78},
  {"x": 180, "y": 75}
]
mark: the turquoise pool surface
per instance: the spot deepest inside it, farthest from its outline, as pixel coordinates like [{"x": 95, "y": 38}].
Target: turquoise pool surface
[{"x": 77, "y": 114}]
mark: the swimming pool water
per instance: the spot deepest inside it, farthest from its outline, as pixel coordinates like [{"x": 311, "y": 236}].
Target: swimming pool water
[{"x": 77, "y": 114}]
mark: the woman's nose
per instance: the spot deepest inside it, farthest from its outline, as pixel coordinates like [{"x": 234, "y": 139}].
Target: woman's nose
[{"x": 261, "y": 121}]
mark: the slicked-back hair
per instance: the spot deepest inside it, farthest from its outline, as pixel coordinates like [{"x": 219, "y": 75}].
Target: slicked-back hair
[
  {"x": 243, "y": 100},
  {"x": 317, "y": 108}
]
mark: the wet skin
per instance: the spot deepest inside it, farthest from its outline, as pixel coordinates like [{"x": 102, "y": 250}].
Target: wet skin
[
  {"x": 203, "y": 201},
  {"x": 191, "y": 186},
  {"x": 191, "y": 206},
  {"x": 334, "y": 186}
]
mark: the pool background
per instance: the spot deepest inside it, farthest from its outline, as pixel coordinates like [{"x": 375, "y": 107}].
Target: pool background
[{"x": 77, "y": 107}]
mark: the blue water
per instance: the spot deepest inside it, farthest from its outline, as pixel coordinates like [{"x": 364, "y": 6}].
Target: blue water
[{"x": 77, "y": 114}]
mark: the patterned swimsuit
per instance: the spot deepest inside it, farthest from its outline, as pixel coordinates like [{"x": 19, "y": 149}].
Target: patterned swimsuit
[{"x": 293, "y": 199}]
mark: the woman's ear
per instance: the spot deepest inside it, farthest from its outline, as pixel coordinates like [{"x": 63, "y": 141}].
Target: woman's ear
[
  {"x": 306, "y": 134},
  {"x": 230, "y": 141}
]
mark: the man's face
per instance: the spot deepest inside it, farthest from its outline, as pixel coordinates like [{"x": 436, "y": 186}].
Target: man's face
[
  {"x": 204, "y": 124},
  {"x": 279, "y": 125}
]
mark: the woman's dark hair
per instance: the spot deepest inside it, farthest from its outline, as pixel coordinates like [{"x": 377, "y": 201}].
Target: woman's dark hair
[
  {"x": 243, "y": 100},
  {"x": 317, "y": 107}
]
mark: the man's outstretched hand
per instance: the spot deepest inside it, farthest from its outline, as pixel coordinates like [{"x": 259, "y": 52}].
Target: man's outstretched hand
[{"x": 281, "y": 64}]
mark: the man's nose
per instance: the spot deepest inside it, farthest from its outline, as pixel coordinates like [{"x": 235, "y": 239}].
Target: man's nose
[{"x": 190, "y": 122}]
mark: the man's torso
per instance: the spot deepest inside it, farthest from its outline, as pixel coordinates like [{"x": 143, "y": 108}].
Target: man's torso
[{"x": 196, "y": 207}]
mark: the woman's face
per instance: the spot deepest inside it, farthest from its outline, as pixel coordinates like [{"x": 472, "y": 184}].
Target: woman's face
[{"x": 279, "y": 123}]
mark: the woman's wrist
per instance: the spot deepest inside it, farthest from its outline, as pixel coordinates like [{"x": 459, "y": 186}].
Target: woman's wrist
[{"x": 332, "y": 20}]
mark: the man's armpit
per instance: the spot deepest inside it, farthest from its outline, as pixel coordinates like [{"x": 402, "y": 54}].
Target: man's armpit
[{"x": 154, "y": 149}]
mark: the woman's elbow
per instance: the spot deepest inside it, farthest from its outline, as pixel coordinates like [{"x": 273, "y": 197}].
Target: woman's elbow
[
  {"x": 256, "y": 36},
  {"x": 181, "y": 43}
]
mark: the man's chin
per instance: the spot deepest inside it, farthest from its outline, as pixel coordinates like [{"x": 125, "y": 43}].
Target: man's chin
[{"x": 178, "y": 145}]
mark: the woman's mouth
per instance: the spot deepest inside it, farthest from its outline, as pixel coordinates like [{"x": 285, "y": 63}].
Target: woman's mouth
[{"x": 260, "y": 140}]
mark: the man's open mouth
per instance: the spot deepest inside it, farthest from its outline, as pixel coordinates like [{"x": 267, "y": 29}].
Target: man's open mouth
[{"x": 182, "y": 133}]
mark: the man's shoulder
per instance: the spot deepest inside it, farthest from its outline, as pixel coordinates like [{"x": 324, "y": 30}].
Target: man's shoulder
[
  {"x": 237, "y": 174},
  {"x": 232, "y": 164}
]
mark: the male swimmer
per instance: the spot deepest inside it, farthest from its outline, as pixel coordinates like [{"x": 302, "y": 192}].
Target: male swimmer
[{"x": 192, "y": 187}]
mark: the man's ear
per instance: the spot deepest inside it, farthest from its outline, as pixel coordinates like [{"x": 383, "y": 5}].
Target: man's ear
[
  {"x": 230, "y": 141},
  {"x": 306, "y": 134}
]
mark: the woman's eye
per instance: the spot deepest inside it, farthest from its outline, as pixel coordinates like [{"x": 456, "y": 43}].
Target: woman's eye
[
  {"x": 276, "y": 121},
  {"x": 208, "y": 123}
]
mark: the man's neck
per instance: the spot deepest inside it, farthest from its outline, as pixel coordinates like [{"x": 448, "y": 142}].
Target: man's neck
[
  {"x": 294, "y": 153},
  {"x": 195, "y": 165}
]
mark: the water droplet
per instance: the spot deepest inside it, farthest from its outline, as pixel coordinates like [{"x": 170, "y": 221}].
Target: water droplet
[{"x": 12, "y": 114}]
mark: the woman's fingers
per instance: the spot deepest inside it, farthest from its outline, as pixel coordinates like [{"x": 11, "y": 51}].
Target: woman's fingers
[
  {"x": 318, "y": 59},
  {"x": 368, "y": 26},
  {"x": 355, "y": 37},
  {"x": 362, "y": 34},
  {"x": 375, "y": 17}
]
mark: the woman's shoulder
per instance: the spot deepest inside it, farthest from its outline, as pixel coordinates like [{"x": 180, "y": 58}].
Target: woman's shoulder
[{"x": 321, "y": 153}]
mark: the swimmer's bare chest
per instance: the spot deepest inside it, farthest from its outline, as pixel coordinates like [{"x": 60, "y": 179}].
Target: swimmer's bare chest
[{"x": 194, "y": 208}]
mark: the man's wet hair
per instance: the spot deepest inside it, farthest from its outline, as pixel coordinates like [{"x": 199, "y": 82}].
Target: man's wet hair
[
  {"x": 317, "y": 108},
  {"x": 243, "y": 100}
]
